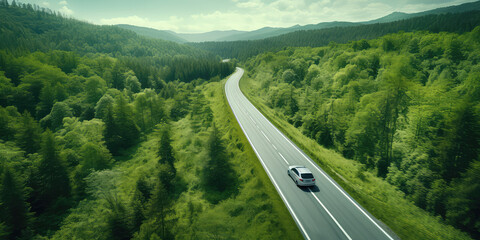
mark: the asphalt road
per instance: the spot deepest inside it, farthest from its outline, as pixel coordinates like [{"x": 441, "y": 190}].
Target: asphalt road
[{"x": 322, "y": 212}]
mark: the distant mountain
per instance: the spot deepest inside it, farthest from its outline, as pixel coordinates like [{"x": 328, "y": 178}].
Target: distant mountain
[
  {"x": 273, "y": 32},
  {"x": 449, "y": 22},
  {"x": 154, "y": 33},
  {"x": 396, "y": 16},
  {"x": 208, "y": 36},
  {"x": 268, "y": 32},
  {"x": 253, "y": 35},
  {"x": 451, "y": 9},
  {"x": 392, "y": 17}
]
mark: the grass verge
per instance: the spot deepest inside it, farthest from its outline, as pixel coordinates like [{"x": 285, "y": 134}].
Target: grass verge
[
  {"x": 381, "y": 199},
  {"x": 225, "y": 120}
]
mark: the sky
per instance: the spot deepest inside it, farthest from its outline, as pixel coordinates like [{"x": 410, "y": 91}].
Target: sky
[{"x": 196, "y": 16}]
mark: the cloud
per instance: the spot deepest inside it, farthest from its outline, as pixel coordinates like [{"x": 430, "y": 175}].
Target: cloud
[
  {"x": 250, "y": 4},
  {"x": 63, "y": 3},
  {"x": 46, "y": 4},
  {"x": 65, "y": 10}
]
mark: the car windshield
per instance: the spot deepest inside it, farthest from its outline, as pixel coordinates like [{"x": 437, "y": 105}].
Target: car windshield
[{"x": 307, "y": 175}]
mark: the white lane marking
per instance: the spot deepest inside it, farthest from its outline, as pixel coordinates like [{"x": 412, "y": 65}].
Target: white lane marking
[
  {"x": 252, "y": 119},
  {"x": 315, "y": 165},
  {"x": 271, "y": 177},
  {"x": 284, "y": 158},
  {"x": 265, "y": 135},
  {"x": 274, "y": 147},
  {"x": 333, "y": 218}
]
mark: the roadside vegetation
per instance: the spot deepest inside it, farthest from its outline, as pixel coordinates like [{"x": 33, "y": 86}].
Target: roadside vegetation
[
  {"x": 129, "y": 138},
  {"x": 395, "y": 120}
]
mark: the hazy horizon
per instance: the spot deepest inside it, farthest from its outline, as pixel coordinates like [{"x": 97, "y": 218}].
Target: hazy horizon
[{"x": 241, "y": 15}]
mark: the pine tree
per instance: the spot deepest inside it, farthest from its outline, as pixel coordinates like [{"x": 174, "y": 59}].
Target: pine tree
[
  {"x": 118, "y": 224},
  {"x": 118, "y": 80},
  {"x": 14, "y": 211},
  {"x": 165, "y": 151},
  {"x": 110, "y": 133},
  {"x": 6, "y": 131},
  {"x": 140, "y": 198},
  {"x": 217, "y": 173},
  {"x": 126, "y": 128},
  {"x": 52, "y": 174},
  {"x": 160, "y": 207},
  {"x": 28, "y": 134},
  {"x": 47, "y": 99}
]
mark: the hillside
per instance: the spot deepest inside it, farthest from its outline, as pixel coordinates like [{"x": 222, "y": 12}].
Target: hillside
[
  {"x": 451, "y": 22},
  {"x": 24, "y": 30},
  {"x": 396, "y": 16},
  {"x": 100, "y": 142},
  {"x": 404, "y": 108}
]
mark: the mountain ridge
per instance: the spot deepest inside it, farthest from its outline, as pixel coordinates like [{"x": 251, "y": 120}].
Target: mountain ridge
[{"x": 267, "y": 32}]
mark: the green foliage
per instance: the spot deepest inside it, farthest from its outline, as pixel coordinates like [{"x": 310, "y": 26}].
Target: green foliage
[
  {"x": 406, "y": 108},
  {"x": 165, "y": 150},
  {"x": 463, "y": 205},
  {"x": 52, "y": 176},
  {"x": 145, "y": 199},
  {"x": 61, "y": 74},
  {"x": 218, "y": 176},
  {"x": 121, "y": 130},
  {"x": 54, "y": 120},
  {"x": 103, "y": 106},
  {"x": 160, "y": 210},
  {"x": 15, "y": 211}
]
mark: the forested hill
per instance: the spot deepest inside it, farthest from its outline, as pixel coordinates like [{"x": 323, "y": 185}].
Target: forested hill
[
  {"x": 406, "y": 106},
  {"x": 451, "y": 22},
  {"x": 25, "y": 28},
  {"x": 28, "y": 27}
]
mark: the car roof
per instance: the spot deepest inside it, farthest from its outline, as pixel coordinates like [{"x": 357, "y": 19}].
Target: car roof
[{"x": 302, "y": 169}]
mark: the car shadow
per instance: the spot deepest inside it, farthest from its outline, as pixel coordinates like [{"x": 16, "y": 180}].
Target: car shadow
[{"x": 310, "y": 189}]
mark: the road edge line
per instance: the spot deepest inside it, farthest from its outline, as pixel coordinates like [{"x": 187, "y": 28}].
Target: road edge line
[{"x": 264, "y": 166}]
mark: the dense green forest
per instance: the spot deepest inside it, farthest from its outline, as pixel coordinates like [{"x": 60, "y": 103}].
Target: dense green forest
[
  {"x": 26, "y": 28},
  {"x": 450, "y": 22},
  {"x": 405, "y": 106},
  {"x": 107, "y": 135}
]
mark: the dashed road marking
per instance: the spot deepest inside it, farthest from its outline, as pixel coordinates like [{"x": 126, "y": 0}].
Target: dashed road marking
[
  {"x": 284, "y": 158},
  {"x": 265, "y": 135}
]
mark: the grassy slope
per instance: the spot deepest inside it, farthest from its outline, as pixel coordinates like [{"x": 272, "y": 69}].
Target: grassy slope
[
  {"x": 381, "y": 199},
  {"x": 247, "y": 163},
  {"x": 255, "y": 212}
]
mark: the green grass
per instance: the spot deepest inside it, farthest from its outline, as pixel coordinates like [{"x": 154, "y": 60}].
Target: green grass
[
  {"x": 247, "y": 164},
  {"x": 381, "y": 199}
]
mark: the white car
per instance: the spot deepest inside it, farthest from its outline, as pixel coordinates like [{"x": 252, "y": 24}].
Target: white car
[{"x": 301, "y": 175}]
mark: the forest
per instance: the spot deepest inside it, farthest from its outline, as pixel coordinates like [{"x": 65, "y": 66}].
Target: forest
[
  {"x": 108, "y": 135},
  {"x": 105, "y": 134},
  {"x": 242, "y": 50},
  {"x": 405, "y": 107}
]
